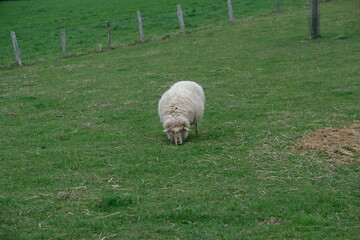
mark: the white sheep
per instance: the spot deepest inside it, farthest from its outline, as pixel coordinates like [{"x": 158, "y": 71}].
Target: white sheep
[{"x": 179, "y": 107}]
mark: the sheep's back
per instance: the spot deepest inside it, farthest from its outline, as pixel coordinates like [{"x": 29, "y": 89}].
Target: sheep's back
[{"x": 185, "y": 99}]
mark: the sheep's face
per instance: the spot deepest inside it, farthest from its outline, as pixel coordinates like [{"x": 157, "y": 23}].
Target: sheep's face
[{"x": 177, "y": 134}]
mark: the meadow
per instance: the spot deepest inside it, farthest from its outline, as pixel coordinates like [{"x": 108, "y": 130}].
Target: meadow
[
  {"x": 83, "y": 155},
  {"x": 38, "y": 23}
]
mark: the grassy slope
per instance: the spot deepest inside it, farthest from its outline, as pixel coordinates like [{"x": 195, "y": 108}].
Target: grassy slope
[
  {"x": 266, "y": 84},
  {"x": 37, "y": 23}
]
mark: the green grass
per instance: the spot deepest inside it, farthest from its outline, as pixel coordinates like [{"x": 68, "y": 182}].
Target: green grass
[
  {"x": 37, "y": 23},
  {"x": 83, "y": 155}
]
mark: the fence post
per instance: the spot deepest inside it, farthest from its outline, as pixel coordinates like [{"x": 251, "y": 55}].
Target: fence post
[
  {"x": 278, "y": 6},
  {"x": 16, "y": 48},
  {"x": 142, "y": 39},
  {"x": 314, "y": 32},
  {"x": 108, "y": 34},
  {"x": 63, "y": 42},
  {"x": 231, "y": 13},
  {"x": 181, "y": 19}
]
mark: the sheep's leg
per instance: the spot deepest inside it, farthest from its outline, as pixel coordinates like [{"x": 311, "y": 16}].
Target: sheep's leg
[{"x": 196, "y": 129}]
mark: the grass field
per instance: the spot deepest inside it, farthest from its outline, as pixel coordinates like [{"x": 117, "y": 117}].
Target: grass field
[
  {"x": 83, "y": 155},
  {"x": 37, "y": 23}
]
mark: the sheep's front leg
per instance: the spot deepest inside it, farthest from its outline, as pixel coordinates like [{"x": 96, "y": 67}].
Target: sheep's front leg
[{"x": 196, "y": 129}]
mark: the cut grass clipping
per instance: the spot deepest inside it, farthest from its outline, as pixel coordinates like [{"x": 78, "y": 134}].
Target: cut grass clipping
[{"x": 339, "y": 144}]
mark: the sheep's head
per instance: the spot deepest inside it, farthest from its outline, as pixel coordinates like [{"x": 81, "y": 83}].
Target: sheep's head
[{"x": 177, "y": 133}]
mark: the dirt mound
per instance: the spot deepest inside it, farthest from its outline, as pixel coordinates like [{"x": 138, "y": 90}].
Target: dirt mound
[{"x": 339, "y": 144}]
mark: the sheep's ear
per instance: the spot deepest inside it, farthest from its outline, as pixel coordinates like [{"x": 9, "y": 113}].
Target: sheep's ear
[
  {"x": 187, "y": 129},
  {"x": 166, "y": 130}
]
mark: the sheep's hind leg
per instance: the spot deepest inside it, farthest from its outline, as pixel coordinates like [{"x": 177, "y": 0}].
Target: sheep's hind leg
[{"x": 196, "y": 129}]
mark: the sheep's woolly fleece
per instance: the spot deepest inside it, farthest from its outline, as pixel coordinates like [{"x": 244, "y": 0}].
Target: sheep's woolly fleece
[{"x": 341, "y": 145}]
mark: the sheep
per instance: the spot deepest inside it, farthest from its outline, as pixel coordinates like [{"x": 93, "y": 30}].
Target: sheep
[{"x": 179, "y": 107}]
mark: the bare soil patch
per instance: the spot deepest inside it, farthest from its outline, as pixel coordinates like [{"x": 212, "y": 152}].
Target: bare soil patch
[{"x": 341, "y": 145}]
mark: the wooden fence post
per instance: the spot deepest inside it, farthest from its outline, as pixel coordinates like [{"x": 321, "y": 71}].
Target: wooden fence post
[
  {"x": 108, "y": 34},
  {"x": 314, "y": 32},
  {"x": 181, "y": 19},
  {"x": 16, "y": 48},
  {"x": 63, "y": 42},
  {"x": 231, "y": 13},
  {"x": 142, "y": 39},
  {"x": 278, "y": 6}
]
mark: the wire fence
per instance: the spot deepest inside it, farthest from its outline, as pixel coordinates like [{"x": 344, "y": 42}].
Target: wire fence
[{"x": 71, "y": 42}]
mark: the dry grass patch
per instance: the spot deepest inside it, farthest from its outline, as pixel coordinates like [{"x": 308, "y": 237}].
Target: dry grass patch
[
  {"x": 274, "y": 220},
  {"x": 339, "y": 144},
  {"x": 86, "y": 124}
]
